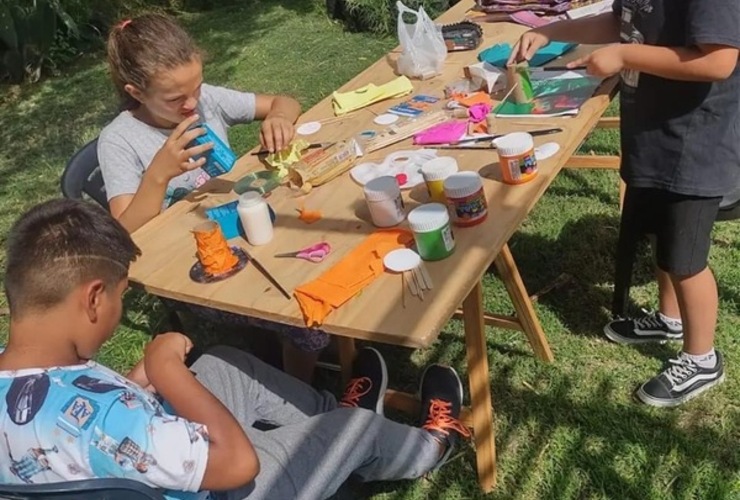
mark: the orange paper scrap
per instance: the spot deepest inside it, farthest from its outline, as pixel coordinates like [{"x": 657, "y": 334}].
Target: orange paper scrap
[
  {"x": 475, "y": 98},
  {"x": 309, "y": 216},
  {"x": 213, "y": 252},
  {"x": 318, "y": 298}
]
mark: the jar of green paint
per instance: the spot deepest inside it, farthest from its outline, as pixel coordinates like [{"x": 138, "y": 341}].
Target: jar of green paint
[{"x": 430, "y": 224}]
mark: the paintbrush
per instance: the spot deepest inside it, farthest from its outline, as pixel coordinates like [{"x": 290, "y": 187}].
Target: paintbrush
[
  {"x": 310, "y": 146},
  {"x": 546, "y": 131},
  {"x": 267, "y": 274}
]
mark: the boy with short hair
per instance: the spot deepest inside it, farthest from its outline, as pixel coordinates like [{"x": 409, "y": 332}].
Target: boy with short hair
[
  {"x": 65, "y": 417},
  {"x": 680, "y": 128}
]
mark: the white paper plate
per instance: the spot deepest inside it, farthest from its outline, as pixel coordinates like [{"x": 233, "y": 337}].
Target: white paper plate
[
  {"x": 308, "y": 128},
  {"x": 546, "y": 150},
  {"x": 401, "y": 162},
  {"x": 386, "y": 119},
  {"x": 402, "y": 260}
]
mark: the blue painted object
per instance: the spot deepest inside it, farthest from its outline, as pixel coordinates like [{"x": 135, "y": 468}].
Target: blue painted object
[
  {"x": 228, "y": 218},
  {"x": 220, "y": 159},
  {"x": 498, "y": 54}
]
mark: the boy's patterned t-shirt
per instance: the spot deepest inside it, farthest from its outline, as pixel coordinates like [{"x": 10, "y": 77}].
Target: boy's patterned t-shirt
[{"x": 86, "y": 421}]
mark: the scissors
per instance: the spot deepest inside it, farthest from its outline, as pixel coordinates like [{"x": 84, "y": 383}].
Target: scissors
[{"x": 314, "y": 253}]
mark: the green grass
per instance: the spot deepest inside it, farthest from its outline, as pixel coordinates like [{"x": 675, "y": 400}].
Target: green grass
[{"x": 566, "y": 430}]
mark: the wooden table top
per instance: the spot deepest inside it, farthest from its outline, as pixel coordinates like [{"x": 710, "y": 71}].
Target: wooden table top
[{"x": 376, "y": 314}]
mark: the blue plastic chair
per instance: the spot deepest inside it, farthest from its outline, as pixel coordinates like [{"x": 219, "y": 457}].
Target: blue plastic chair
[{"x": 88, "y": 489}]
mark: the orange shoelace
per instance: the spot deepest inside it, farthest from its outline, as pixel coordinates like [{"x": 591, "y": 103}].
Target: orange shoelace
[
  {"x": 439, "y": 419},
  {"x": 356, "y": 388}
]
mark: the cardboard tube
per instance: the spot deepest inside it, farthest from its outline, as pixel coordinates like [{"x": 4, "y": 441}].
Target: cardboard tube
[{"x": 214, "y": 253}]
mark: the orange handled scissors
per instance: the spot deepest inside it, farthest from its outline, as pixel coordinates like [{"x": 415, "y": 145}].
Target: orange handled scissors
[{"x": 314, "y": 253}]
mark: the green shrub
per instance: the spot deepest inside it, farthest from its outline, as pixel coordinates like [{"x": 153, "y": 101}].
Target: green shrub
[{"x": 380, "y": 16}]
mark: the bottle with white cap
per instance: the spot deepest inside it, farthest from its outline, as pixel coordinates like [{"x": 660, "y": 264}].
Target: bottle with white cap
[
  {"x": 254, "y": 214},
  {"x": 384, "y": 201}
]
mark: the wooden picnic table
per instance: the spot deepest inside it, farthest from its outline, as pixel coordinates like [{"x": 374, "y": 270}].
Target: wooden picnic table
[{"x": 377, "y": 314}]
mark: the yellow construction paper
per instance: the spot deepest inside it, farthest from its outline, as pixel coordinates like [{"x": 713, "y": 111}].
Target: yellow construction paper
[
  {"x": 281, "y": 160},
  {"x": 344, "y": 102}
]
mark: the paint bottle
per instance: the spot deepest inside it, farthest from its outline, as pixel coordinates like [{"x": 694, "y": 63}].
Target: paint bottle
[
  {"x": 435, "y": 172},
  {"x": 254, "y": 215},
  {"x": 466, "y": 198},
  {"x": 516, "y": 157},
  {"x": 383, "y": 197},
  {"x": 430, "y": 224}
]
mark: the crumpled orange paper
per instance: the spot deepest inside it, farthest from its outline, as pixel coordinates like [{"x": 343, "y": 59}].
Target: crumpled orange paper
[
  {"x": 213, "y": 252},
  {"x": 318, "y": 298}
]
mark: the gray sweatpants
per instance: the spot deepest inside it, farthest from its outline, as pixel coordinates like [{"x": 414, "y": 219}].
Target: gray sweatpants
[{"x": 316, "y": 445}]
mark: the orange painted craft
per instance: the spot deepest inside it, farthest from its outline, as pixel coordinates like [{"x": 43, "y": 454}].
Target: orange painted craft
[{"x": 214, "y": 253}]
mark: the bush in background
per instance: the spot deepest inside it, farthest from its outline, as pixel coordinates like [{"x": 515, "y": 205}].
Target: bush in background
[{"x": 380, "y": 16}]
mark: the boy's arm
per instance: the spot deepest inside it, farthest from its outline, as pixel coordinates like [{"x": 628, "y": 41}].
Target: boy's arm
[
  {"x": 278, "y": 114},
  {"x": 597, "y": 30},
  {"x": 232, "y": 461}
]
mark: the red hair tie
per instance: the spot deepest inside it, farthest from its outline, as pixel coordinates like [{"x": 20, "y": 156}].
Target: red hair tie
[{"x": 125, "y": 23}]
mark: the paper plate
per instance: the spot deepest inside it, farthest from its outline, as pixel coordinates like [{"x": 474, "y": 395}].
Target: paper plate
[
  {"x": 386, "y": 119},
  {"x": 546, "y": 150},
  {"x": 199, "y": 275},
  {"x": 407, "y": 163},
  {"x": 402, "y": 260},
  {"x": 308, "y": 128}
]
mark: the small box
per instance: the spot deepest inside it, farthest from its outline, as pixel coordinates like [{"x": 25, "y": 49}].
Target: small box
[{"x": 220, "y": 159}]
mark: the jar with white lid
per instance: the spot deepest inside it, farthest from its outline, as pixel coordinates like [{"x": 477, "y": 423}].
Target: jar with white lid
[
  {"x": 254, "y": 214},
  {"x": 383, "y": 197}
]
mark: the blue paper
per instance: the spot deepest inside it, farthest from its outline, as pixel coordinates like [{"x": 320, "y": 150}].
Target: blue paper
[
  {"x": 228, "y": 219},
  {"x": 220, "y": 159},
  {"x": 498, "y": 55}
]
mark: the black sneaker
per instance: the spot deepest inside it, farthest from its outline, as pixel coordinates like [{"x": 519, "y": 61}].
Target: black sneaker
[
  {"x": 441, "y": 394},
  {"x": 366, "y": 389},
  {"x": 681, "y": 381},
  {"x": 649, "y": 328}
]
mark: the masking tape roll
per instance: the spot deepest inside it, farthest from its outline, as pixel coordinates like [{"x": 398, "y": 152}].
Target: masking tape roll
[{"x": 263, "y": 182}]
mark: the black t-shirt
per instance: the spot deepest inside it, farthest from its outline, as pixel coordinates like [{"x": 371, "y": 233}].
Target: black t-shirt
[{"x": 682, "y": 137}]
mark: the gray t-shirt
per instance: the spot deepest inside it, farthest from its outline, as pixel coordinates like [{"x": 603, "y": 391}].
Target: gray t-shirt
[{"x": 127, "y": 146}]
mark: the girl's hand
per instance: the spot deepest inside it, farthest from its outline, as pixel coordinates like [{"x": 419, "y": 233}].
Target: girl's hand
[
  {"x": 276, "y": 132},
  {"x": 603, "y": 62},
  {"x": 527, "y": 46},
  {"x": 174, "y": 156}
]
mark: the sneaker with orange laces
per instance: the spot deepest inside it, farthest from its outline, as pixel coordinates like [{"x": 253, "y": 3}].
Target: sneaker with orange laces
[
  {"x": 441, "y": 394},
  {"x": 366, "y": 389}
]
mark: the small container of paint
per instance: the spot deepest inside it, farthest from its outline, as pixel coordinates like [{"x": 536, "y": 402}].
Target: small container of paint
[
  {"x": 435, "y": 172},
  {"x": 430, "y": 224},
  {"x": 465, "y": 196},
  {"x": 383, "y": 197},
  {"x": 516, "y": 157}
]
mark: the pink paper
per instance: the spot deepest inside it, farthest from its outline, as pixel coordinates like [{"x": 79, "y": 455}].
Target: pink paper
[
  {"x": 443, "y": 133},
  {"x": 478, "y": 112}
]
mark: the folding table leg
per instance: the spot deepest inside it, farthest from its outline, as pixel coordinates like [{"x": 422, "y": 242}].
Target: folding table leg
[
  {"x": 346, "y": 347},
  {"x": 480, "y": 388},
  {"x": 522, "y": 305}
]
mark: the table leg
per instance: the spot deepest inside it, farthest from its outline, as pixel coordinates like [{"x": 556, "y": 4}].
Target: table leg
[
  {"x": 522, "y": 305},
  {"x": 346, "y": 347},
  {"x": 480, "y": 388}
]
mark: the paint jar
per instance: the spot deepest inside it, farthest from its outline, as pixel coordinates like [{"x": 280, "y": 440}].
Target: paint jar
[
  {"x": 383, "y": 197},
  {"x": 466, "y": 198},
  {"x": 254, "y": 215},
  {"x": 430, "y": 224},
  {"x": 435, "y": 172},
  {"x": 516, "y": 157}
]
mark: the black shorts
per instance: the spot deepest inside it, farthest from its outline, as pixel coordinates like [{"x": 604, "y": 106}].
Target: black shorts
[{"x": 682, "y": 226}]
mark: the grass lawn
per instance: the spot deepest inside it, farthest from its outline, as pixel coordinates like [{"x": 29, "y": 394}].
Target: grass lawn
[{"x": 566, "y": 430}]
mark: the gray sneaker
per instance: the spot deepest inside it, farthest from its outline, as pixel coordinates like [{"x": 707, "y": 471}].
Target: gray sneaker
[
  {"x": 680, "y": 382},
  {"x": 649, "y": 328}
]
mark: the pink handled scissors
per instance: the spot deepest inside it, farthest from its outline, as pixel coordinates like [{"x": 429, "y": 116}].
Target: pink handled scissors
[{"x": 314, "y": 253}]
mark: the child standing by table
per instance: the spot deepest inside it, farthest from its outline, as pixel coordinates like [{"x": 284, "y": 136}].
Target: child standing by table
[
  {"x": 145, "y": 152},
  {"x": 680, "y": 126}
]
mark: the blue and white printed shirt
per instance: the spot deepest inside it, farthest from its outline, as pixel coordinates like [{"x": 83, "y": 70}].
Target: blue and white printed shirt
[{"x": 86, "y": 421}]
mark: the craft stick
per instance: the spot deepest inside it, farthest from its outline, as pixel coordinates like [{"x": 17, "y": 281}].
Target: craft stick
[
  {"x": 403, "y": 290},
  {"x": 426, "y": 276},
  {"x": 415, "y": 274},
  {"x": 267, "y": 274},
  {"x": 412, "y": 284}
]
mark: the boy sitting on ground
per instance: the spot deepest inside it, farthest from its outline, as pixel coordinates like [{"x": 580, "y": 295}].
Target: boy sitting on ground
[{"x": 64, "y": 417}]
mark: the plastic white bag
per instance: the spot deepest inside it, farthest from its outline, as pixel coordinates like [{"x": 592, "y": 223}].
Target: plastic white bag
[{"x": 423, "y": 48}]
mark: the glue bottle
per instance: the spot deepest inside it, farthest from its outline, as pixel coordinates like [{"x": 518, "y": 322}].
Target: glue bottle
[{"x": 254, "y": 215}]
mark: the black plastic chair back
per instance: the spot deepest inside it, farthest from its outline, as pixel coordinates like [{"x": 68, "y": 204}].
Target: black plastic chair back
[
  {"x": 82, "y": 176},
  {"x": 88, "y": 489}
]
